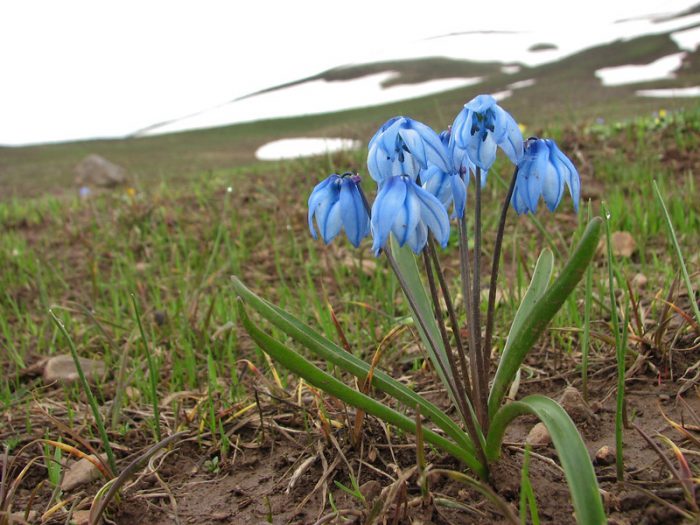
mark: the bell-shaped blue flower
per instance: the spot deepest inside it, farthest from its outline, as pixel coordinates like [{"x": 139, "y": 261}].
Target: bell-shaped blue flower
[
  {"x": 480, "y": 128},
  {"x": 337, "y": 204},
  {"x": 448, "y": 187},
  {"x": 403, "y": 146},
  {"x": 409, "y": 212},
  {"x": 544, "y": 171}
]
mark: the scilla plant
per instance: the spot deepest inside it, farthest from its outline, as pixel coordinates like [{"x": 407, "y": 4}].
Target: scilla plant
[{"x": 421, "y": 176}]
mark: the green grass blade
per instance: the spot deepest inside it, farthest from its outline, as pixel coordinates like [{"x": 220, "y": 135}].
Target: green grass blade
[
  {"x": 534, "y": 323},
  {"x": 571, "y": 449},
  {"x": 88, "y": 393},
  {"x": 329, "y": 384},
  {"x": 329, "y": 351},
  {"x": 679, "y": 254}
]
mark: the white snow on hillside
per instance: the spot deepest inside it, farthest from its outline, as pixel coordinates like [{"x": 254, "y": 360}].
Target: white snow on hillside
[
  {"x": 303, "y": 147},
  {"x": 663, "y": 68},
  {"x": 314, "y": 97}
]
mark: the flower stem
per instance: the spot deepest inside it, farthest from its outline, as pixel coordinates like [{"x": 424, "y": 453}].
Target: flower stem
[
  {"x": 465, "y": 272},
  {"x": 461, "y": 396},
  {"x": 496, "y": 263},
  {"x": 413, "y": 304},
  {"x": 451, "y": 313},
  {"x": 481, "y": 352}
]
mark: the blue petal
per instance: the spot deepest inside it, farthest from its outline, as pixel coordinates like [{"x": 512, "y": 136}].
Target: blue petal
[
  {"x": 434, "y": 215},
  {"x": 414, "y": 143},
  {"x": 389, "y": 201},
  {"x": 353, "y": 213},
  {"x": 408, "y": 217},
  {"x": 512, "y": 142},
  {"x": 379, "y": 163},
  {"x": 500, "y": 123},
  {"x": 482, "y": 150},
  {"x": 538, "y": 168},
  {"x": 481, "y": 103},
  {"x": 437, "y": 182},
  {"x": 388, "y": 139},
  {"x": 382, "y": 129},
  {"x": 330, "y": 227},
  {"x": 568, "y": 171},
  {"x": 459, "y": 194},
  {"x": 552, "y": 187},
  {"x": 517, "y": 200},
  {"x": 418, "y": 237},
  {"x": 435, "y": 151},
  {"x": 322, "y": 197},
  {"x": 461, "y": 129}
]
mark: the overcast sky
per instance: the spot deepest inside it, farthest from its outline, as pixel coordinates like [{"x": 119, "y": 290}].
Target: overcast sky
[{"x": 80, "y": 69}]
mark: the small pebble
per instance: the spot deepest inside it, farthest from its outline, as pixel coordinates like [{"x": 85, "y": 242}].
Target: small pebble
[
  {"x": 538, "y": 436},
  {"x": 605, "y": 456}
]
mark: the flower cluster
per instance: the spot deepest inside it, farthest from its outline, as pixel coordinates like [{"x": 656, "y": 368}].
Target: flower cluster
[{"x": 421, "y": 174}]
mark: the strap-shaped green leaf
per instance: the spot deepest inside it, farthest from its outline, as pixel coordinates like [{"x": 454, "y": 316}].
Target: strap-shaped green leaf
[
  {"x": 572, "y": 452},
  {"x": 532, "y": 325},
  {"x": 329, "y": 384},
  {"x": 409, "y": 270},
  {"x": 329, "y": 351}
]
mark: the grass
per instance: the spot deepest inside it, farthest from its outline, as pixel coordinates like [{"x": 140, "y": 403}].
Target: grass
[{"x": 170, "y": 247}]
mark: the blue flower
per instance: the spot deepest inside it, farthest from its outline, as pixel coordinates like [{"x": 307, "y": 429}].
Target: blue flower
[
  {"x": 448, "y": 187},
  {"x": 480, "y": 128},
  {"x": 408, "y": 211},
  {"x": 337, "y": 203},
  {"x": 543, "y": 172},
  {"x": 403, "y": 146}
]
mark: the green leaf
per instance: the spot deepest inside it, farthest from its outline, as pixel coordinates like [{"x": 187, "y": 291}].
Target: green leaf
[
  {"x": 409, "y": 269},
  {"x": 538, "y": 286},
  {"x": 572, "y": 452},
  {"x": 329, "y": 351},
  {"x": 534, "y": 322},
  {"x": 298, "y": 365}
]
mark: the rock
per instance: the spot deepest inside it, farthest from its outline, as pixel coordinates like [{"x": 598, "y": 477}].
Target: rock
[
  {"x": 538, "y": 436},
  {"x": 81, "y": 517},
  {"x": 639, "y": 281},
  {"x": 572, "y": 401},
  {"x": 61, "y": 369},
  {"x": 80, "y": 472},
  {"x": 95, "y": 170},
  {"x": 623, "y": 244},
  {"x": 605, "y": 456},
  {"x": 18, "y": 517},
  {"x": 371, "y": 490}
]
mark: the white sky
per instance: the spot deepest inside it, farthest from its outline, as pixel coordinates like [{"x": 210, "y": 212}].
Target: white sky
[{"x": 81, "y": 69}]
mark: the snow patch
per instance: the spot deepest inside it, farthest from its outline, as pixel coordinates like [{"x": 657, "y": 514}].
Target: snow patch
[
  {"x": 687, "y": 40},
  {"x": 502, "y": 95},
  {"x": 303, "y": 147},
  {"x": 660, "y": 69},
  {"x": 520, "y": 84},
  {"x": 670, "y": 93},
  {"x": 310, "y": 98},
  {"x": 510, "y": 70}
]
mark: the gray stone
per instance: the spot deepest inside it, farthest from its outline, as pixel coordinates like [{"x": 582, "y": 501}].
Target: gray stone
[
  {"x": 538, "y": 436},
  {"x": 80, "y": 473},
  {"x": 572, "y": 401},
  {"x": 605, "y": 456},
  {"x": 61, "y": 369},
  {"x": 97, "y": 171}
]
